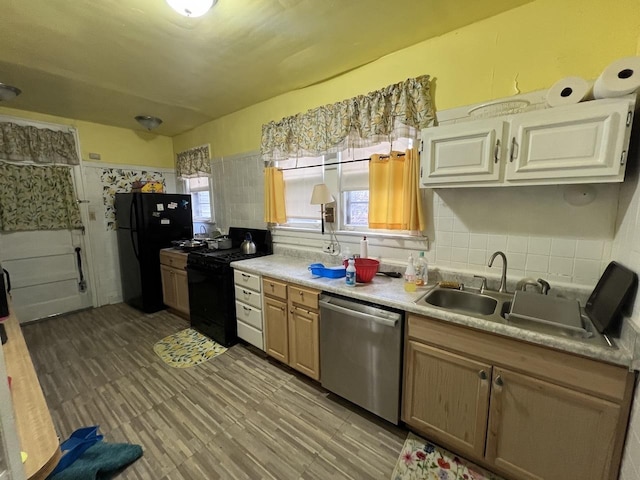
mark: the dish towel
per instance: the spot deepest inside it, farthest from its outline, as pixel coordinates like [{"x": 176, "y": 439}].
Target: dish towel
[{"x": 102, "y": 461}]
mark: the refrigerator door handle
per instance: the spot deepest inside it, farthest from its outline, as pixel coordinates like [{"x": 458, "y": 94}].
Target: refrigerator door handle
[{"x": 132, "y": 224}]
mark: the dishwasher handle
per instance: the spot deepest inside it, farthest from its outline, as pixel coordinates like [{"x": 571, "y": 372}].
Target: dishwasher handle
[{"x": 364, "y": 316}]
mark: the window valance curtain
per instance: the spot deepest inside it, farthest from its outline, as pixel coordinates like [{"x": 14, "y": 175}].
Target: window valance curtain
[
  {"x": 377, "y": 116},
  {"x": 34, "y": 197},
  {"x": 20, "y": 143},
  {"x": 195, "y": 162}
]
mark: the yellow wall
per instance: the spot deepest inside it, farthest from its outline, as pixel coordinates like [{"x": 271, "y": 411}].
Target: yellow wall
[
  {"x": 114, "y": 144},
  {"x": 538, "y": 44}
]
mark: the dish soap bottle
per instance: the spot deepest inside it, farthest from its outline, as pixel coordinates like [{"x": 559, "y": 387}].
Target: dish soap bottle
[
  {"x": 422, "y": 270},
  {"x": 351, "y": 273},
  {"x": 410, "y": 276}
]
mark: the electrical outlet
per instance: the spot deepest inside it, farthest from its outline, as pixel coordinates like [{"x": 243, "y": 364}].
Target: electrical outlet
[{"x": 328, "y": 247}]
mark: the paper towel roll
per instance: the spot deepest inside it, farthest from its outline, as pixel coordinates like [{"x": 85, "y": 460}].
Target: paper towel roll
[
  {"x": 621, "y": 77},
  {"x": 567, "y": 91}
]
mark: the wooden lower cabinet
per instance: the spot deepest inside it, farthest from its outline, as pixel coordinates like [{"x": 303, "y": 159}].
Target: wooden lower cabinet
[
  {"x": 452, "y": 405},
  {"x": 304, "y": 341},
  {"x": 292, "y": 328},
  {"x": 175, "y": 286},
  {"x": 275, "y": 329},
  {"x": 541, "y": 430},
  {"x": 521, "y": 410}
]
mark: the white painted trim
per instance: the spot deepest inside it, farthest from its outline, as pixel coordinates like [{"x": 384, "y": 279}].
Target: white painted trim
[{"x": 127, "y": 167}]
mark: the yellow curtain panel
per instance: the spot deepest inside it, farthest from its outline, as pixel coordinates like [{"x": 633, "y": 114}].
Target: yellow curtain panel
[
  {"x": 394, "y": 196},
  {"x": 274, "y": 209}
]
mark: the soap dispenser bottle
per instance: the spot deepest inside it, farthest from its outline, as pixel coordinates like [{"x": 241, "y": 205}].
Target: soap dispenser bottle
[{"x": 410, "y": 276}]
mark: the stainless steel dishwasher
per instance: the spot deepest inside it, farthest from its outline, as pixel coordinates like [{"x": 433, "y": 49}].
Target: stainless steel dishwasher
[{"x": 361, "y": 354}]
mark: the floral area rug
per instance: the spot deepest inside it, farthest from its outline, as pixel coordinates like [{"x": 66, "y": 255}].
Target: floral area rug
[
  {"x": 422, "y": 460},
  {"x": 187, "y": 348}
]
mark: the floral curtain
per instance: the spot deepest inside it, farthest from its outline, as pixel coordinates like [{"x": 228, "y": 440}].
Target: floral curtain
[
  {"x": 194, "y": 162},
  {"x": 34, "y": 197},
  {"x": 40, "y": 145},
  {"x": 377, "y": 116}
]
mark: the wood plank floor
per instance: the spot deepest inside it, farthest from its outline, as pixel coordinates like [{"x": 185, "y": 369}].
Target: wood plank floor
[{"x": 237, "y": 416}]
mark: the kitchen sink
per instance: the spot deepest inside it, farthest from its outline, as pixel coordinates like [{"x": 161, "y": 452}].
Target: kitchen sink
[
  {"x": 495, "y": 307},
  {"x": 462, "y": 301}
]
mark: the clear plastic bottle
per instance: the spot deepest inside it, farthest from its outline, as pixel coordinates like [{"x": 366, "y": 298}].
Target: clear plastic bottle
[
  {"x": 410, "y": 276},
  {"x": 422, "y": 270},
  {"x": 350, "y": 279}
]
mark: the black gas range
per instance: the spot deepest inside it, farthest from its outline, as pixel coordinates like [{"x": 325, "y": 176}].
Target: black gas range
[{"x": 212, "y": 305}]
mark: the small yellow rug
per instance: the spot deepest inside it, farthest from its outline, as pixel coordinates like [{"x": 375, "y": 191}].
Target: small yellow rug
[{"x": 187, "y": 348}]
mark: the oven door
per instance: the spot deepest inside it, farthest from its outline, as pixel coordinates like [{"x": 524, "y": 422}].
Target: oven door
[{"x": 211, "y": 302}]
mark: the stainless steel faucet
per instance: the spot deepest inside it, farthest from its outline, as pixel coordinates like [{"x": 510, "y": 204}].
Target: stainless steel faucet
[{"x": 503, "y": 278}]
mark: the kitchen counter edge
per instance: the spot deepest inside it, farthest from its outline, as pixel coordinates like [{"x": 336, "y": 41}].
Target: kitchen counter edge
[{"x": 390, "y": 292}]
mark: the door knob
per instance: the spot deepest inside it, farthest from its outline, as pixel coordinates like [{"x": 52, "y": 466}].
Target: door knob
[
  {"x": 482, "y": 374},
  {"x": 499, "y": 381}
]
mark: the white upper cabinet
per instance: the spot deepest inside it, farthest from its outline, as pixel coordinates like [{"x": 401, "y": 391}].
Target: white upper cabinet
[
  {"x": 582, "y": 143},
  {"x": 570, "y": 145},
  {"x": 468, "y": 152}
]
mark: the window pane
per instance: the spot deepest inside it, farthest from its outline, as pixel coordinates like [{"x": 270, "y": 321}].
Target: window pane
[
  {"x": 198, "y": 183},
  {"x": 298, "y": 185},
  {"x": 357, "y": 208}
]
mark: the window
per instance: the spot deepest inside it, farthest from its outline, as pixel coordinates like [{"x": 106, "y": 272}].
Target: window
[
  {"x": 349, "y": 181},
  {"x": 298, "y": 187},
  {"x": 198, "y": 187}
]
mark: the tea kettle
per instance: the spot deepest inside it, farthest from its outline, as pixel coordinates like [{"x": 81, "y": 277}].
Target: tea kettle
[{"x": 248, "y": 246}]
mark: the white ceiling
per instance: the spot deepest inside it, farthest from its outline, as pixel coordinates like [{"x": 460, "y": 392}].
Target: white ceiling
[{"x": 106, "y": 61}]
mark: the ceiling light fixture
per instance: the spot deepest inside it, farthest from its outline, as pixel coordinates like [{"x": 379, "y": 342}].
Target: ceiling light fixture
[
  {"x": 192, "y": 8},
  {"x": 8, "y": 92},
  {"x": 148, "y": 121}
]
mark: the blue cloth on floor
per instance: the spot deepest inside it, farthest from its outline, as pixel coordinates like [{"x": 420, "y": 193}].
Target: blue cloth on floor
[{"x": 100, "y": 462}]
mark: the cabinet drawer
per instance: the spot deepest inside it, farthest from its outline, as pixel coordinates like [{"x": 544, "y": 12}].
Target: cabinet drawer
[
  {"x": 247, "y": 280},
  {"x": 250, "y": 315},
  {"x": 305, "y": 297},
  {"x": 274, "y": 288},
  {"x": 249, "y": 297},
  {"x": 173, "y": 259},
  {"x": 251, "y": 335}
]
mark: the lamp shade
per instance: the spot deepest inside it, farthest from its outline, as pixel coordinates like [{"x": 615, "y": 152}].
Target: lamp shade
[
  {"x": 321, "y": 195},
  {"x": 148, "y": 121},
  {"x": 8, "y": 92}
]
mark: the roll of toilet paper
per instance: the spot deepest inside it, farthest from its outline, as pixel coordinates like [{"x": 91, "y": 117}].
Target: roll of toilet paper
[
  {"x": 567, "y": 91},
  {"x": 621, "y": 77}
]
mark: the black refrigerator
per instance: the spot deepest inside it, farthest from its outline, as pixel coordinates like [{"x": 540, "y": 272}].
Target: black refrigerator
[{"x": 148, "y": 222}]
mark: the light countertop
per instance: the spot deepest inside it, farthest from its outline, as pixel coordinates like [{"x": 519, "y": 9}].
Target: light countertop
[{"x": 390, "y": 292}]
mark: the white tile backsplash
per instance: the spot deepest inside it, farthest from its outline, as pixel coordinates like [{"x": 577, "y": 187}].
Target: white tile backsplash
[
  {"x": 461, "y": 241},
  {"x": 563, "y": 247},
  {"x": 517, "y": 244},
  {"x": 589, "y": 249},
  {"x": 539, "y": 245}
]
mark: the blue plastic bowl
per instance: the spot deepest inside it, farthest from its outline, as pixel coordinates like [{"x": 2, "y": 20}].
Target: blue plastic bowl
[{"x": 319, "y": 270}]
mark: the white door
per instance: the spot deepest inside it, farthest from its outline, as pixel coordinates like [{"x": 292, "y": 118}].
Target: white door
[
  {"x": 45, "y": 278},
  {"x": 464, "y": 153},
  {"x": 43, "y": 266},
  {"x": 578, "y": 142}
]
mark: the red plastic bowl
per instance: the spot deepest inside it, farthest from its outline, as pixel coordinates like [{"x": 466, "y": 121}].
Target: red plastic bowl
[{"x": 366, "y": 269}]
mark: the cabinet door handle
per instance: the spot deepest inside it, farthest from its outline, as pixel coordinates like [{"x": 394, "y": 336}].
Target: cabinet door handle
[
  {"x": 246, "y": 309},
  {"x": 245, "y": 276},
  {"x": 246, "y": 293},
  {"x": 514, "y": 145},
  {"x": 496, "y": 152},
  {"x": 482, "y": 374},
  {"x": 499, "y": 381}
]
